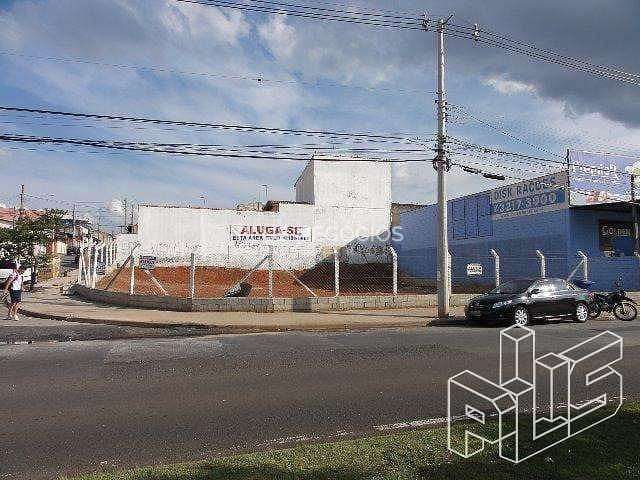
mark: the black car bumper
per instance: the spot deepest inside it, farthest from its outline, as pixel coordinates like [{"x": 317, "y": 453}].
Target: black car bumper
[{"x": 489, "y": 314}]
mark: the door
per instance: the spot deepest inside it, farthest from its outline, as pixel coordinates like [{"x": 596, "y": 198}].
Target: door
[
  {"x": 544, "y": 302},
  {"x": 565, "y": 297}
]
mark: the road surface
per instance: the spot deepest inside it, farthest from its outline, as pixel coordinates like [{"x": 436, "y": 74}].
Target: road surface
[
  {"x": 34, "y": 330},
  {"x": 86, "y": 405}
]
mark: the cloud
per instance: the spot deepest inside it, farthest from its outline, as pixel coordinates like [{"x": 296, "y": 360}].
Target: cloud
[
  {"x": 278, "y": 35},
  {"x": 506, "y": 86},
  {"x": 204, "y": 23}
]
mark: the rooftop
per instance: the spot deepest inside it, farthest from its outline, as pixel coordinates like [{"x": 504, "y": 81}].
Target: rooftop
[{"x": 11, "y": 214}]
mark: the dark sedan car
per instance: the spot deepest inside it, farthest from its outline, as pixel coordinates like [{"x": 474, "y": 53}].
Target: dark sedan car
[{"x": 522, "y": 301}]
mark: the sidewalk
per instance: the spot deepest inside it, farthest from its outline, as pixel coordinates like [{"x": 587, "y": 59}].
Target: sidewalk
[{"x": 49, "y": 303}]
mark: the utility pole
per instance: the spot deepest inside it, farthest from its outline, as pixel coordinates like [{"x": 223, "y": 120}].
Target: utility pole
[
  {"x": 125, "y": 215},
  {"x": 21, "y": 209},
  {"x": 441, "y": 164}
]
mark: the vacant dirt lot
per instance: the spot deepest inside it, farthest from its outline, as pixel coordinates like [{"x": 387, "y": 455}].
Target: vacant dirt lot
[{"x": 212, "y": 282}]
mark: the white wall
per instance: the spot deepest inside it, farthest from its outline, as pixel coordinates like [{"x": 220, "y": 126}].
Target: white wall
[
  {"x": 304, "y": 185},
  {"x": 124, "y": 243},
  {"x": 352, "y": 199},
  {"x": 352, "y": 184}
]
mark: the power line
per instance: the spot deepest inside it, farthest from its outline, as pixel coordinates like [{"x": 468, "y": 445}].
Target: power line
[
  {"x": 408, "y": 138},
  {"x": 316, "y": 13},
  {"x": 415, "y": 23},
  {"x": 597, "y": 71},
  {"x": 184, "y": 149},
  {"x": 258, "y": 79},
  {"x": 502, "y": 131}
]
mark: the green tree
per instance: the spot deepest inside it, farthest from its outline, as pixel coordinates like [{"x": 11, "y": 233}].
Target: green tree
[{"x": 20, "y": 242}]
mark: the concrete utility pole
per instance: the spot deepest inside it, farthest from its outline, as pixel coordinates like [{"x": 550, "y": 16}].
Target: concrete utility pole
[
  {"x": 21, "y": 209},
  {"x": 441, "y": 164},
  {"x": 125, "y": 215}
]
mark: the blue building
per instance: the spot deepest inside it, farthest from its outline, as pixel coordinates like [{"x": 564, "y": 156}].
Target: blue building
[{"x": 517, "y": 221}]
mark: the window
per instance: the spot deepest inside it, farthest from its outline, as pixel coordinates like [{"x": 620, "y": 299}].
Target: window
[{"x": 551, "y": 285}]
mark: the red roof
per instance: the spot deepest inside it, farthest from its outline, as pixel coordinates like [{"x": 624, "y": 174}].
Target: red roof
[{"x": 10, "y": 214}]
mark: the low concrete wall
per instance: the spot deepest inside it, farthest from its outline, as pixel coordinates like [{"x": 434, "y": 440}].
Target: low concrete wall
[{"x": 263, "y": 305}]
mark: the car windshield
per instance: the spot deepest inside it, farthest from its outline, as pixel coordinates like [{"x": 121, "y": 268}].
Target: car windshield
[{"x": 515, "y": 286}]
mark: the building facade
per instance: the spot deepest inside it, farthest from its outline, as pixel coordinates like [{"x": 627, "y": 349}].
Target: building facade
[
  {"x": 522, "y": 224},
  {"x": 339, "y": 203}
]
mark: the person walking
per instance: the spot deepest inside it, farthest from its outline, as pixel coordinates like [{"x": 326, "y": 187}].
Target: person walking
[{"x": 14, "y": 288}]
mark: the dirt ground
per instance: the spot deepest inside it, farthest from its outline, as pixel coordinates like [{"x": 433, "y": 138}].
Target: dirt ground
[{"x": 214, "y": 282}]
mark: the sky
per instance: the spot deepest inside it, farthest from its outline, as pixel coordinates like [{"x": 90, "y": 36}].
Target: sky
[{"x": 76, "y": 56}]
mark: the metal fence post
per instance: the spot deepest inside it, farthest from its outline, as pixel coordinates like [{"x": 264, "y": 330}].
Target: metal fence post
[
  {"x": 192, "y": 276},
  {"x": 132, "y": 278},
  {"x": 336, "y": 272},
  {"x": 86, "y": 265},
  {"x": 394, "y": 259},
  {"x": 94, "y": 263},
  {"x": 543, "y": 264},
  {"x": 449, "y": 274},
  {"x": 270, "y": 271},
  {"x": 80, "y": 266},
  {"x": 585, "y": 265},
  {"x": 496, "y": 265}
]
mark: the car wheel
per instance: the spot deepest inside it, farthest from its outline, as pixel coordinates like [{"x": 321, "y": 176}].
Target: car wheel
[
  {"x": 581, "y": 313},
  {"x": 521, "y": 317}
]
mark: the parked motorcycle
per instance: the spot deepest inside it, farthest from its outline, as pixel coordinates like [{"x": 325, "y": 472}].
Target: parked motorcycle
[{"x": 616, "y": 302}]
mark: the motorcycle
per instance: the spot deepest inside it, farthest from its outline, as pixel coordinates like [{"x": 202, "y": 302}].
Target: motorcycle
[{"x": 616, "y": 302}]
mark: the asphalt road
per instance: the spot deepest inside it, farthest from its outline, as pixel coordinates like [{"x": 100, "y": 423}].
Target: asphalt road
[
  {"x": 85, "y": 406},
  {"x": 36, "y": 330}
]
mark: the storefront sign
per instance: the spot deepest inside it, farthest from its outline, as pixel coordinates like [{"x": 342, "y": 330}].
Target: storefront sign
[
  {"x": 616, "y": 238},
  {"x": 269, "y": 234},
  {"x": 474, "y": 269},
  {"x": 148, "y": 262},
  {"x": 601, "y": 178},
  {"x": 539, "y": 195}
]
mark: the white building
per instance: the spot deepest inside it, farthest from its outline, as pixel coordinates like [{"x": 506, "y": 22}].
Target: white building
[{"x": 338, "y": 203}]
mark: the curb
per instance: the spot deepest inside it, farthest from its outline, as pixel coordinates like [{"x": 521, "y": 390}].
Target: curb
[{"x": 243, "y": 328}]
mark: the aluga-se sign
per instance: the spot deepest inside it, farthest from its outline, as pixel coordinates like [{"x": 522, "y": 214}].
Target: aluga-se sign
[
  {"x": 539, "y": 401},
  {"x": 269, "y": 234}
]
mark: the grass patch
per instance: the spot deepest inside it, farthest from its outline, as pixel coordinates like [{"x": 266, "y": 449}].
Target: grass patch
[{"x": 607, "y": 451}]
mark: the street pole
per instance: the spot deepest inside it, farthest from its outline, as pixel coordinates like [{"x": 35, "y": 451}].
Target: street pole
[
  {"x": 125, "y": 215},
  {"x": 441, "y": 167},
  {"x": 21, "y": 209}
]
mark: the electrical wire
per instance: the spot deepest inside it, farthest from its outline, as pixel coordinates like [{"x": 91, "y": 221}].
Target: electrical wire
[
  {"x": 255, "y": 78},
  {"x": 184, "y": 149},
  {"x": 407, "y": 138}
]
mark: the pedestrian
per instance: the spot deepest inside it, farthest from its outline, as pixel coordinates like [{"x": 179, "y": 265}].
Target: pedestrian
[{"x": 14, "y": 287}]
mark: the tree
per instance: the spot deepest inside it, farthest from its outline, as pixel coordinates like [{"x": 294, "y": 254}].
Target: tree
[{"x": 20, "y": 242}]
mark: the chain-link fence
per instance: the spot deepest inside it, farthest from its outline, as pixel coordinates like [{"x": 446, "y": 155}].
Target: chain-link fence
[
  {"x": 330, "y": 272},
  {"x": 261, "y": 274}
]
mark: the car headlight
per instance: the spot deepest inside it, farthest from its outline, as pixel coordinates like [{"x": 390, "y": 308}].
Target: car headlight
[{"x": 502, "y": 304}]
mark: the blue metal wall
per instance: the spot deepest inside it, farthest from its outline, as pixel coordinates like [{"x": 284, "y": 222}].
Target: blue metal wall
[{"x": 472, "y": 234}]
